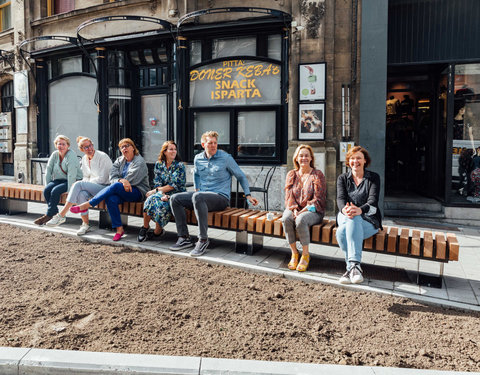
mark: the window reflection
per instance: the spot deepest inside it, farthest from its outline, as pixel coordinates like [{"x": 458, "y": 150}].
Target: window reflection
[{"x": 466, "y": 133}]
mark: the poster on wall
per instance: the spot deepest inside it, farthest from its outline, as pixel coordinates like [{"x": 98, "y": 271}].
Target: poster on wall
[
  {"x": 20, "y": 89},
  {"x": 311, "y": 120},
  {"x": 311, "y": 81}
]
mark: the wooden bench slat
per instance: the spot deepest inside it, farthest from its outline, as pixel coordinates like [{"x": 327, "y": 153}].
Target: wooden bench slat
[
  {"x": 269, "y": 224},
  {"x": 252, "y": 219},
  {"x": 368, "y": 243},
  {"x": 219, "y": 215},
  {"x": 235, "y": 218},
  {"x": 226, "y": 217},
  {"x": 327, "y": 231},
  {"x": 260, "y": 223},
  {"x": 416, "y": 242},
  {"x": 403, "y": 243},
  {"x": 317, "y": 231},
  {"x": 242, "y": 220},
  {"x": 453, "y": 246},
  {"x": 392, "y": 240},
  {"x": 278, "y": 228},
  {"x": 440, "y": 246},
  {"x": 380, "y": 239},
  {"x": 428, "y": 244}
]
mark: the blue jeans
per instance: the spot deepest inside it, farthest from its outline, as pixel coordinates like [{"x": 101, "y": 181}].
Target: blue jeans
[
  {"x": 114, "y": 195},
  {"x": 52, "y": 193},
  {"x": 350, "y": 235}
]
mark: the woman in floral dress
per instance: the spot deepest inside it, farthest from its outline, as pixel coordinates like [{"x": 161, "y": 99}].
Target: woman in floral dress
[{"x": 169, "y": 179}]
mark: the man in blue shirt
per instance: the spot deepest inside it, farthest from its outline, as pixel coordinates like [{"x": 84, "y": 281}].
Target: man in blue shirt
[{"x": 213, "y": 177}]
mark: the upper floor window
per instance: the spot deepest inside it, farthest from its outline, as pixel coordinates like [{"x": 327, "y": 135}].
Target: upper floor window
[
  {"x": 5, "y": 14},
  {"x": 59, "y": 6}
]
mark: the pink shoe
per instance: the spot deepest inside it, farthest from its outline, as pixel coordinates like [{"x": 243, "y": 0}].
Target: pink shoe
[
  {"x": 76, "y": 209},
  {"x": 118, "y": 236}
]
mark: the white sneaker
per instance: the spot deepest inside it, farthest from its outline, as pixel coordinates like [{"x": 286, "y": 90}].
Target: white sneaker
[
  {"x": 345, "y": 278},
  {"x": 84, "y": 228},
  {"x": 356, "y": 276},
  {"x": 56, "y": 220}
]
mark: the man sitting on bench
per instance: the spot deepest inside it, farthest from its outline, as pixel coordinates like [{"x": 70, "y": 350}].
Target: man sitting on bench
[{"x": 213, "y": 177}]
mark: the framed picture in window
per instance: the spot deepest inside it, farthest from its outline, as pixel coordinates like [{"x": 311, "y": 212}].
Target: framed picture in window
[
  {"x": 311, "y": 121},
  {"x": 311, "y": 81}
]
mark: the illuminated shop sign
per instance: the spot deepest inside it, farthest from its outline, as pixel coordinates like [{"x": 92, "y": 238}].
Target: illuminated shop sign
[{"x": 235, "y": 82}]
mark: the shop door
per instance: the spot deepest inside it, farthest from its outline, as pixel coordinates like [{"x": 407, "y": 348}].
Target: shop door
[
  {"x": 154, "y": 125},
  {"x": 415, "y": 133}
]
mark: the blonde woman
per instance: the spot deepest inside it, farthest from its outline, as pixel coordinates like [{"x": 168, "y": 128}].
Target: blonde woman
[
  {"x": 129, "y": 183},
  {"x": 96, "y": 166},
  {"x": 63, "y": 169},
  {"x": 305, "y": 197}
]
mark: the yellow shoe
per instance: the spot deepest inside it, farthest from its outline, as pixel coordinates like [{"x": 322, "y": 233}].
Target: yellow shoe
[
  {"x": 293, "y": 262},
  {"x": 303, "y": 265}
]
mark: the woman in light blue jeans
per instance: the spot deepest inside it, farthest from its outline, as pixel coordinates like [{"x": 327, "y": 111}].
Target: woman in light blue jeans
[{"x": 359, "y": 217}]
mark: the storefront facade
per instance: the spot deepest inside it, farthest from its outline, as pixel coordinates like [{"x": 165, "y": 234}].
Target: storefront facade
[{"x": 195, "y": 67}]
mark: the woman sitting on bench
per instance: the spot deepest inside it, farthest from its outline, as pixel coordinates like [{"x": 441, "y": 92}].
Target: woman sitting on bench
[
  {"x": 305, "y": 195},
  {"x": 169, "y": 179},
  {"x": 359, "y": 217},
  {"x": 63, "y": 169},
  {"x": 96, "y": 166},
  {"x": 129, "y": 183}
]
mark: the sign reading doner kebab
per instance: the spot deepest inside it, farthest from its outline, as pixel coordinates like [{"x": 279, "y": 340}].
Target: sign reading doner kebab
[{"x": 235, "y": 82}]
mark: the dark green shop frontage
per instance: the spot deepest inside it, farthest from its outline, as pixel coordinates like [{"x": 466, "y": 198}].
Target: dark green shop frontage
[
  {"x": 431, "y": 126},
  {"x": 171, "y": 83}
]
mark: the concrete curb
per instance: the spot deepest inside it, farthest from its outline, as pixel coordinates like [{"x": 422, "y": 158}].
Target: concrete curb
[{"x": 27, "y": 361}]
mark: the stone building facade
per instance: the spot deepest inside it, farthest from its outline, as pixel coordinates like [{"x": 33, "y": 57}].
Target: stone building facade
[{"x": 319, "y": 33}]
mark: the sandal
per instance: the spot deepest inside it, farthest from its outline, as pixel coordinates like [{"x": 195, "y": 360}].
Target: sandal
[
  {"x": 293, "y": 262},
  {"x": 302, "y": 267}
]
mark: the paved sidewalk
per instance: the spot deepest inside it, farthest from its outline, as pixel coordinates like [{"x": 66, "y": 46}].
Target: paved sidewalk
[{"x": 461, "y": 280}]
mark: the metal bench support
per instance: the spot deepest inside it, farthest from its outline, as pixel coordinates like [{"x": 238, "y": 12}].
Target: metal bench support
[
  {"x": 12, "y": 207},
  {"x": 244, "y": 246},
  {"x": 104, "y": 221}
]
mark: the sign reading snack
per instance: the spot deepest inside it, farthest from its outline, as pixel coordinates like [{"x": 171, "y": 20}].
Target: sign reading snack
[{"x": 235, "y": 82}]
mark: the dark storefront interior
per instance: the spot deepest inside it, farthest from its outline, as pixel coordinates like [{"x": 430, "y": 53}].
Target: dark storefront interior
[{"x": 432, "y": 150}]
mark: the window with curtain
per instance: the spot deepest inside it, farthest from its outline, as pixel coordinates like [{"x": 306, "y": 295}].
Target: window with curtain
[
  {"x": 59, "y": 6},
  {"x": 5, "y": 14}
]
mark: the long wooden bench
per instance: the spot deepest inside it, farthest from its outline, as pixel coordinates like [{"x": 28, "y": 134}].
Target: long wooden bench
[{"x": 252, "y": 225}]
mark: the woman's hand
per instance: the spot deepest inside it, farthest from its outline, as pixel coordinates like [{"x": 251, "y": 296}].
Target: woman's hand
[
  {"x": 126, "y": 185},
  {"x": 350, "y": 210},
  {"x": 150, "y": 192}
]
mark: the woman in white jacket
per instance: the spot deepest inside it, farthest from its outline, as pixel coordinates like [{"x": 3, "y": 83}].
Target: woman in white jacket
[{"x": 96, "y": 166}]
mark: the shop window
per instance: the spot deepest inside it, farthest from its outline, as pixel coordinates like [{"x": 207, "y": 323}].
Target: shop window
[
  {"x": 5, "y": 14},
  {"x": 242, "y": 46},
  {"x": 7, "y": 97},
  {"x": 195, "y": 52},
  {"x": 256, "y": 134},
  {"x": 70, "y": 65},
  {"x": 154, "y": 125},
  {"x": 466, "y": 134},
  {"x": 216, "y": 121},
  {"x": 275, "y": 46},
  {"x": 59, "y": 6}
]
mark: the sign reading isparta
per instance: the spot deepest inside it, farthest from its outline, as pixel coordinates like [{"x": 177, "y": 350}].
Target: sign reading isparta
[{"x": 235, "y": 82}]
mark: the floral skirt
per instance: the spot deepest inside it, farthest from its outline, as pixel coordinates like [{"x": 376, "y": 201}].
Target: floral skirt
[{"x": 157, "y": 209}]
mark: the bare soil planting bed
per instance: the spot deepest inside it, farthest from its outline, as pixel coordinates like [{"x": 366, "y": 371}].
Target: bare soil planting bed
[{"x": 59, "y": 292}]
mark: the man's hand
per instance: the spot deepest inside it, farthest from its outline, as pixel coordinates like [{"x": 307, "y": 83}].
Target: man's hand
[
  {"x": 253, "y": 201},
  {"x": 150, "y": 192}
]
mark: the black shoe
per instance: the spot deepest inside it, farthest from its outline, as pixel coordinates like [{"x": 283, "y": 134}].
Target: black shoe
[
  {"x": 156, "y": 237},
  {"x": 142, "y": 235}
]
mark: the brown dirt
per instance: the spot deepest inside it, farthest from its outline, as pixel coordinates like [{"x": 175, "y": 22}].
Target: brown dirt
[{"x": 60, "y": 292}]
